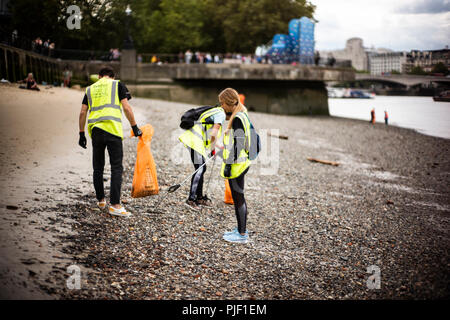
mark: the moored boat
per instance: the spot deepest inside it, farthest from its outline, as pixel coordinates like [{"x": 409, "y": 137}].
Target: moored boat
[{"x": 443, "y": 97}]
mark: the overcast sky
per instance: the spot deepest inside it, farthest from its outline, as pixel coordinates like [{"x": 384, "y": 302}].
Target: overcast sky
[{"x": 400, "y": 25}]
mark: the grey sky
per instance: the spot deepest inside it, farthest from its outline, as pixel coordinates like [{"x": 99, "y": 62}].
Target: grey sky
[
  {"x": 399, "y": 25},
  {"x": 425, "y": 6}
]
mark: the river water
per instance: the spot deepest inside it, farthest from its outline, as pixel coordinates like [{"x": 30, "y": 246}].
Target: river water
[{"x": 420, "y": 113}]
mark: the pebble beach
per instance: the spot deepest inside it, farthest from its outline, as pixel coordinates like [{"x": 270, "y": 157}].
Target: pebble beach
[{"x": 315, "y": 229}]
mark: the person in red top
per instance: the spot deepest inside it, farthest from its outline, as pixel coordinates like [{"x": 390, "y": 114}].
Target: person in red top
[
  {"x": 386, "y": 117},
  {"x": 372, "y": 115}
]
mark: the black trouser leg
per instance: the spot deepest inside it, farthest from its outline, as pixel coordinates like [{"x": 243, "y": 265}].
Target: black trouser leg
[
  {"x": 101, "y": 140},
  {"x": 196, "y": 191},
  {"x": 98, "y": 162},
  {"x": 115, "y": 151},
  {"x": 240, "y": 206}
]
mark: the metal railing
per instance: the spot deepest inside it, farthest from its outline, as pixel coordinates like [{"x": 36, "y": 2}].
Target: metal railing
[{"x": 14, "y": 40}]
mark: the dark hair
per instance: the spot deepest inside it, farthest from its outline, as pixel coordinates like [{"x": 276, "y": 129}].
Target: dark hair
[{"x": 106, "y": 71}]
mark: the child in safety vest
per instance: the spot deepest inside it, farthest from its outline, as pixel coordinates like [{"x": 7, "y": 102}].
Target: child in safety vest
[{"x": 235, "y": 160}]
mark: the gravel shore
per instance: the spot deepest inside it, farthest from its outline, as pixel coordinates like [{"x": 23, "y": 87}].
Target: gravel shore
[{"x": 314, "y": 228}]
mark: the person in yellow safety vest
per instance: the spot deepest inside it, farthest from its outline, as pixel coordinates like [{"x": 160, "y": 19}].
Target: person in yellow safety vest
[
  {"x": 236, "y": 161},
  {"x": 105, "y": 100},
  {"x": 201, "y": 140}
]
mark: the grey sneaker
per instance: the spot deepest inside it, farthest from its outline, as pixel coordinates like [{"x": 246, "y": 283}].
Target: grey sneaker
[
  {"x": 192, "y": 205},
  {"x": 205, "y": 201}
]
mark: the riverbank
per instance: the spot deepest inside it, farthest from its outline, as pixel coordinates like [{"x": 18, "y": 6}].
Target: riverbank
[{"x": 315, "y": 229}]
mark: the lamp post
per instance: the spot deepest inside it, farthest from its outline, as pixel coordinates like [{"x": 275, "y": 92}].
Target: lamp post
[
  {"x": 128, "y": 42},
  {"x": 128, "y": 55}
]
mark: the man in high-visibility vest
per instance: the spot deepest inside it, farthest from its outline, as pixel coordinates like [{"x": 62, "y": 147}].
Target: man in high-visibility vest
[{"x": 105, "y": 100}]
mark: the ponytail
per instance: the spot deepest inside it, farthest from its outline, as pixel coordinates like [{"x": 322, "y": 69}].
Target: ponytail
[{"x": 231, "y": 98}]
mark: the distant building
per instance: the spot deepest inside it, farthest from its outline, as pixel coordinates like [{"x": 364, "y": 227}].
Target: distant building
[
  {"x": 427, "y": 59},
  {"x": 353, "y": 51},
  {"x": 381, "y": 63}
]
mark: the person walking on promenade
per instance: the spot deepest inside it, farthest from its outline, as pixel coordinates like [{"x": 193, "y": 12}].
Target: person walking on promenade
[
  {"x": 236, "y": 160},
  {"x": 386, "y": 117},
  {"x": 372, "y": 115},
  {"x": 200, "y": 141},
  {"x": 105, "y": 100}
]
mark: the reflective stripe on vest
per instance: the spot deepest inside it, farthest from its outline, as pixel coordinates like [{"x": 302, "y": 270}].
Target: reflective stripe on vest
[
  {"x": 242, "y": 162},
  {"x": 105, "y": 109},
  {"x": 197, "y": 137}
]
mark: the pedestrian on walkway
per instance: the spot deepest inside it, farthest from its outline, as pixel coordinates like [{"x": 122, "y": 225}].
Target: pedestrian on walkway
[
  {"x": 372, "y": 116},
  {"x": 386, "y": 117},
  {"x": 105, "y": 100}
]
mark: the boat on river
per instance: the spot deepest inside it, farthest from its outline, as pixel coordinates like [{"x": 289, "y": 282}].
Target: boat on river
[
  {"x": 349, "y": 93},
  {"x": 443, "y": 97}
]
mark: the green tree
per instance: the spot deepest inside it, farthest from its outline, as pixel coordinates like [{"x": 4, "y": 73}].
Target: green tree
[
  {"x": 101, "y": 24},
  {"x": 249, "y": 23},
  {"x": 418, "y": 71},
  {"x": 160, "y": 25},
  {"x": 440, "y": 68}
]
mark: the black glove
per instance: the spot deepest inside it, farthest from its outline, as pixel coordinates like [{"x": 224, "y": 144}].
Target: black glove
[
  {"x": 137, "y": 132},
  {"x": 82, "y": 142},
  {"x": 227, "y": 171}
]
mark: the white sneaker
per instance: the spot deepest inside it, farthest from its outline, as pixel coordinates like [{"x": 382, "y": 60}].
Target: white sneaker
[{"x": 121, "y": 212}]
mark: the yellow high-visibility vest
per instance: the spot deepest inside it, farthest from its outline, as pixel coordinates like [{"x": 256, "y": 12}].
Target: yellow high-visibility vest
[
  {"x": 199, "y": 136},
  {"x": 105, "y": 109},
  {"x": 242, "y": 162}
]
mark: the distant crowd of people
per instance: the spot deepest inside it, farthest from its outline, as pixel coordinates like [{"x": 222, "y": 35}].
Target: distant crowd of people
[
  {"x": 45, "y": 48},
  {"x": 202, "y": 57},
  {"x": 190, "y": 57}
]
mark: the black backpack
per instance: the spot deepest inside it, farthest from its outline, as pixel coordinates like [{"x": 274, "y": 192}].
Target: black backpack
[
  {"x": 255, "y": 146},
  {"x": 189, "y": 118}
]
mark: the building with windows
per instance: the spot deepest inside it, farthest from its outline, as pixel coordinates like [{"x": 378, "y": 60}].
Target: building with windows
[
  {"x": 387, "y": 62},
  {"x": 355, "y": 52},
  {"x": 427, "y": 59}
]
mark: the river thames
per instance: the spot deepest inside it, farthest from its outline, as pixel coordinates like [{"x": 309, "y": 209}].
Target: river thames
[{"x": 418, "y": 113}]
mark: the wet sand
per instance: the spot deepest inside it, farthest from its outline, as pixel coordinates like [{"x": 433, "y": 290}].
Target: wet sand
[{"x": 314, "y": 228}]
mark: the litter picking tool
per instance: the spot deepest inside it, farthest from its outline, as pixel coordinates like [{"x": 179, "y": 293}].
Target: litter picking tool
[{"x": 175, "y": 187}]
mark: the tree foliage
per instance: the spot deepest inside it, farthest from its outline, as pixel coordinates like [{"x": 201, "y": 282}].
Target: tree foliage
[
  {"x": 160, "y": 25},
  {"x": 440, "y": 68},
  {"x": 417, "y": 70}
]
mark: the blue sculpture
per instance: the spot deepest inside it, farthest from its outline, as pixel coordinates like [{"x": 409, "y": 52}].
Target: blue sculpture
[{"x": 297, "y": 46}]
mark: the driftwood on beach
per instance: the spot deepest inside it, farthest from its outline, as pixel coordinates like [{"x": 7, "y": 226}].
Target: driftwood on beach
[
  {"x": 331, "y": 163},
  {"x": 278, "y": 136}
]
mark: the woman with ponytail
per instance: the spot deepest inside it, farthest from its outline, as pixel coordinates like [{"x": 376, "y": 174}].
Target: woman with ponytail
[{"x": 235, "y": 159}]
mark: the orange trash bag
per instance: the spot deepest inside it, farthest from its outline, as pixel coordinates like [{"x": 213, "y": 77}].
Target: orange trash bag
[
  {"x": 145, "y": 180},
  {"x": 228, "y": 197}
]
